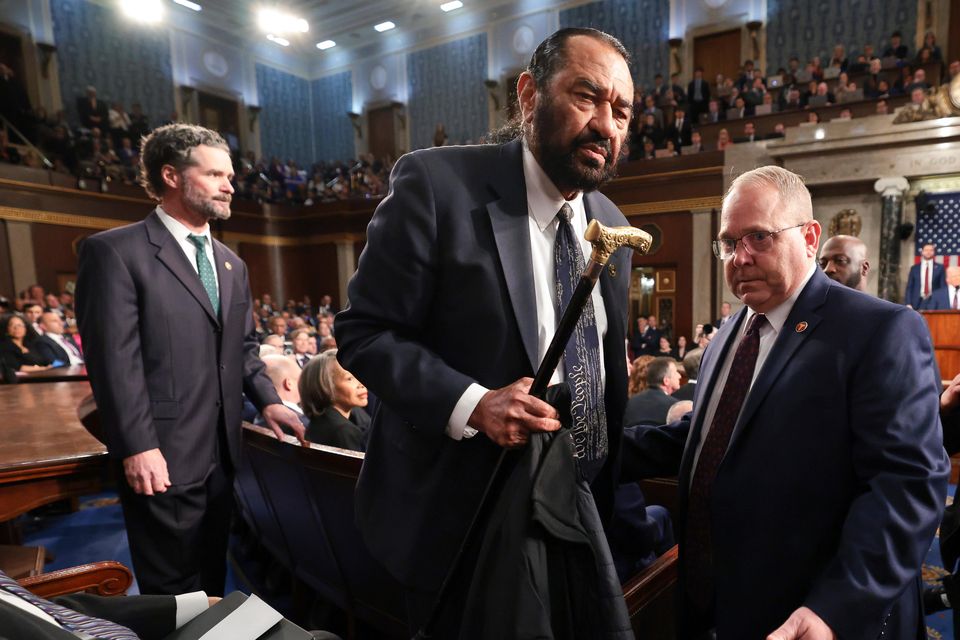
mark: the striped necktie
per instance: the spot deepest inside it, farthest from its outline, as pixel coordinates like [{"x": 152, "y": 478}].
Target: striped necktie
[
  {"x": 77, "y": 623},
  {"x": 205, "y": 269}
]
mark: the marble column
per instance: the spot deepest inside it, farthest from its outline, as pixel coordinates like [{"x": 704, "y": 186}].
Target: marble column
[{"x": 891, "y": 190}]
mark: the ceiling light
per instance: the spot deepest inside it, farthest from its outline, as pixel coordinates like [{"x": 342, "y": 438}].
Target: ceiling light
[
  {"x": 326, "y": 44},
  {"x": 148, "y": 11},
  {"x": 189, "y": 5},
  {"x": 283, "y": 42},
  {"x": 451, "y": 6},
  {"x": 273, "y": 21},
  {"x": 384, "y": 26}
]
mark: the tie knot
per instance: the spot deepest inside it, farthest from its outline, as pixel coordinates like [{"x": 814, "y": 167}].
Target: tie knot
[
  {"x": 566, "y": 212},
  {"x": 199, "y": 241},
  {"x": 757, "y": 323}
]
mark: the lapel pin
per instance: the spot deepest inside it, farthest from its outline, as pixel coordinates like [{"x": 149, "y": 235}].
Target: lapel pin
[
  {"x": 613, "y": 270},
  {"x": 228, "y": 266},
  {"x": 801, "y": 327}
]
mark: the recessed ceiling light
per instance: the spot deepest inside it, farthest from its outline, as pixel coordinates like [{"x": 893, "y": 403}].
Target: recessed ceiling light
[
  {"x": 326, "y": 44},
  {"x": 384, "y": 26},
  {"x": 189, "y": 5},
  {"x": 451, "y": 6},
  {"x": 148, "y": 11},
  {"x": 273, "y": 21},
  {"x": 283, "y": 42}
]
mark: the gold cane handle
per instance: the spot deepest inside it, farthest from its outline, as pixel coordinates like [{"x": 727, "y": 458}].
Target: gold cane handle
[{"x": 606, "y": 240}]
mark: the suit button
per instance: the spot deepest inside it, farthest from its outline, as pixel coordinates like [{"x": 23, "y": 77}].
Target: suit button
[{"x": 223, "y": 367}]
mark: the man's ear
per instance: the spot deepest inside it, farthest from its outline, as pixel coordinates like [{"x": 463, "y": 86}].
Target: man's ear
[
  {"x": 170, "y": 176},
  {"x": 527, "y": 95}
]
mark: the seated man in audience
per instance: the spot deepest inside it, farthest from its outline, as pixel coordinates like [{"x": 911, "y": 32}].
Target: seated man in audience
[
  {"x": 714, "y": 113},
  {"x": 844, "y": 259},
  {"x": 947, "y": 297},
  {"x": 54, "y": 345},
  {"x": 31, "y": 315},
  {"x": 285, "y": 376},
  {"x": 278, "y": 326},
  {"x": 691, "y": 366},
  {"x": 919, "y": 81},
  {"x": 650, "y": 406},
  {"x": 896, "y": 49},
  {"x": 696, "y": 143},
  {"x": 275, "y": 341},
  {"x": 300, "y": 339},
  {"x": 882, "y": 108},
  {"x": 749, "y": 133}
]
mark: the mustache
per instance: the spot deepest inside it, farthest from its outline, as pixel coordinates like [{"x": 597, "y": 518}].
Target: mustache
[
  {"x": 588, "y": 136},
  {"x": 224, "y": 199}
]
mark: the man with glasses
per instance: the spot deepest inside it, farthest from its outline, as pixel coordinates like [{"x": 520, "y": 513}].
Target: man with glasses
[{"x": 812, "y": 473}]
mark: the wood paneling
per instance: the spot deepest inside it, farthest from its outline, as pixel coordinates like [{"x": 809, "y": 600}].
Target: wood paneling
[
  {"x": 718, "y": 53},
  {"x": 55, "y": 253},
  {"x": 6, "y": 269},
  {"x": 381, "y": 132},
  {"x": 298, "y": 270},
  {"x": 674, "y": 253}
]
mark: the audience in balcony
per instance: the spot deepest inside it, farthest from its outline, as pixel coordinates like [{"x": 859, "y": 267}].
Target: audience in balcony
[{"x": 896, "y": 49}]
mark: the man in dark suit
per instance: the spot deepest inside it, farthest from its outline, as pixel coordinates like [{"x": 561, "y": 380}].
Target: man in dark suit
[
  {"x": 946, "y": 297},
  {"x": 925, "y": 277},
  {"x": 698, "y": 93},
  {"x": 53, "y": 345},
  {"x": 691, "y": 367},
  {"x": 165, "y": 314},
  {"x": 725, "y": 317},
  {"x": 650, "y": 406},
  {"x": 680, "y": 130},
  {"x": 813, "y": 455},
  {"x": 93, "y": 112},
  {"x": 453, "y": 306}
]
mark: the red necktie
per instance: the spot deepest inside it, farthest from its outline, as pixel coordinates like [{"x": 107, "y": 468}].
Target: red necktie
[
  {"x": 926, "y": 281},
  {"x": 698, "y": 552}
]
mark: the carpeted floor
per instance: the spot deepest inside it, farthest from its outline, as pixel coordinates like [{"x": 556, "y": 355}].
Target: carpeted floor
[{"x": 96, "y": 532}]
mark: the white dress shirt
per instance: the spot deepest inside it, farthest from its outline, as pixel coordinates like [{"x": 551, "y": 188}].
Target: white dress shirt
[
  {"x": 768, "y": 335},
  {"x": 543, "y": 203},
  {"x": 951, "y": 295},
  {"x": 180, "y": 233},
  {"x": 70, "y": 348}
]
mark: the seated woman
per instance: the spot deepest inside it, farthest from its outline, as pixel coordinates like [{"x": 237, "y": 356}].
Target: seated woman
[
  {"x": 328, "y": 395},
  {"x": 15, "y": 351},
  {"x": 681, "y": 349}
]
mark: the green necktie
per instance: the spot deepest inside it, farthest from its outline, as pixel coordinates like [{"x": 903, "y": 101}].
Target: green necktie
[{"x": 206, "y": 271}]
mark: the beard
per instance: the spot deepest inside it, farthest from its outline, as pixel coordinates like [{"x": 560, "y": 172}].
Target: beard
[
  {"x": 560, "y": 160},
  {"x": 853, "y": 280},
  {"x": 211, "y": 208}
]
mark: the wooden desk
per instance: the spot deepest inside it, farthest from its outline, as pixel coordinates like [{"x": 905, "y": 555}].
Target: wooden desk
[
  {"x": 45, "y": 453},
  {"x": 73, "y": 373},
  {"x": 945, "y": 332}
]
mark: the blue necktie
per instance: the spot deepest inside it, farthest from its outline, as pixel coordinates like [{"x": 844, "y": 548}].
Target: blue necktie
[
  {"x": 205, "y": 269},
  {"x": 76, "y": 623},
  {"x": 581, "y": 358}
]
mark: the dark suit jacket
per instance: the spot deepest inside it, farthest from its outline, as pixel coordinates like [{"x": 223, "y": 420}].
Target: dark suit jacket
[
  {"x": 835, "y": 478},
  {"x": 938, "y": 279},
  {"x": 443, "y": 297},
  {"x": 680, "y": 136},
  {"x": 333, "y": 430},
  {"x": 13, "y": 357},
  {"x": 685, "y": 392},
  {"x": 939, "y": 300},
  {"x": 165, "y": 369},
  {"x": 50, "y": 350},
  {"x": 650, "y": 406},
  {"x": 150, "y": 617},
  {"x": 704, "y": 92}
]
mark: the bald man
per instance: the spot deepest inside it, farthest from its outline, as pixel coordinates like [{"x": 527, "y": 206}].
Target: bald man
[
  {"x": 947, "y": 297},
  {"x": 284, "y": 373},
  {"x": 844, "y": 259}
]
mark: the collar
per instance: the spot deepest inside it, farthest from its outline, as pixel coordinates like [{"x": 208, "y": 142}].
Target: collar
[
  {"x": 293, "y": 405},
  {"x": 179, "y": 230},
  {"x": 778, "y": 316},
  {"x": 543, "y": 198}
]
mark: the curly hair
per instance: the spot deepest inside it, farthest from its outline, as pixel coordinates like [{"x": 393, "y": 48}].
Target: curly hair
[
  {"x": 638, "y": 374},
  {"x": 172, "y": 145}
]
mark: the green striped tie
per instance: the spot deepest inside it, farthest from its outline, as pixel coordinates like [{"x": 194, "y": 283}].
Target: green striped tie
[{"x": 206, "y": 271}]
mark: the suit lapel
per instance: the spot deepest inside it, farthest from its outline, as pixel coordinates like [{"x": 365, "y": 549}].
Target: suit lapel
[
  {"x": 172, "y": 256},
  {"x": 511, "y": 232},
  {"x": 225, "y": 277},
  {"x": 792, "y": 335}
]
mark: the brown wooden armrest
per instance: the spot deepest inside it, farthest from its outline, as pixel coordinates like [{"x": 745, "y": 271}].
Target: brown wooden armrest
[
  {"x": 645, "y": 587},
  {"x": 106, "y": 578}
]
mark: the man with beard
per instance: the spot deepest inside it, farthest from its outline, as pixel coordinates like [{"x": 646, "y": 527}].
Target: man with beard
[
  {"x": 844, "y": 259},
  {"x": 168, "y": 335},
  {"x": 453, "y": 307}
]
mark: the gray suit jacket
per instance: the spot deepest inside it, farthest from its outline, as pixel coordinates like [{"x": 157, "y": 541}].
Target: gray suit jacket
[{"x": 443, "y": 297}]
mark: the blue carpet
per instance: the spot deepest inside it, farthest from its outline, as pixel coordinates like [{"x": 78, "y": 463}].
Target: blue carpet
[
  {"x": 93, "y": 533},
  {"x": 96, "y": 532}
]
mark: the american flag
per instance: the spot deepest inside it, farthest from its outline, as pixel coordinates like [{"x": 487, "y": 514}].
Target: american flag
[{"x": 938, "y": 222}]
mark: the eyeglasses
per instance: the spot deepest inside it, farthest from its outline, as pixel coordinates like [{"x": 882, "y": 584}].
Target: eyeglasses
[{"x": 754, "y": 242}]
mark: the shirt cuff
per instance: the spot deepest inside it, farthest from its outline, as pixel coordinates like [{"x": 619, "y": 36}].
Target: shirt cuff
[
  {"x": 190, "y": 605},
  {"x": 457, "y": 424}
]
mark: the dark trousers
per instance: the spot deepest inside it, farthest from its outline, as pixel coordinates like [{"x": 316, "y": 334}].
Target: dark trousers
[{"x": 178, "y": 539}]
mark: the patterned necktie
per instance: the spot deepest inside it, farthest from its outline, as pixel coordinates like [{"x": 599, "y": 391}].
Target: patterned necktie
[
  {"x": 581, "y": 357},
  {"x": 956, "y": 298},
  {"x": 76, "y": 623},
  {"x": 206, "y": 271},
  {"x": 926, "y": 280},
  {"x": 698, "y": 552}
]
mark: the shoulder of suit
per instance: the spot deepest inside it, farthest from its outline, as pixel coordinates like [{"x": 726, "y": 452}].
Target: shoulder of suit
[
  {"x": 121, "y": 234},
  {"x": 605, "y": 210},
  {"x": 454, "y": 154},
  {"x": 227, "y": 252}
]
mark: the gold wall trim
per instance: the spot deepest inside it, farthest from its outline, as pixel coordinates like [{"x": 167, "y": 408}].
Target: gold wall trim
[
  {"x": 702, "y": 171},
  {"x": 35, "y": 186},
  {"x": 664, "y": 206},
  {"x": 62, "y": 219}
]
